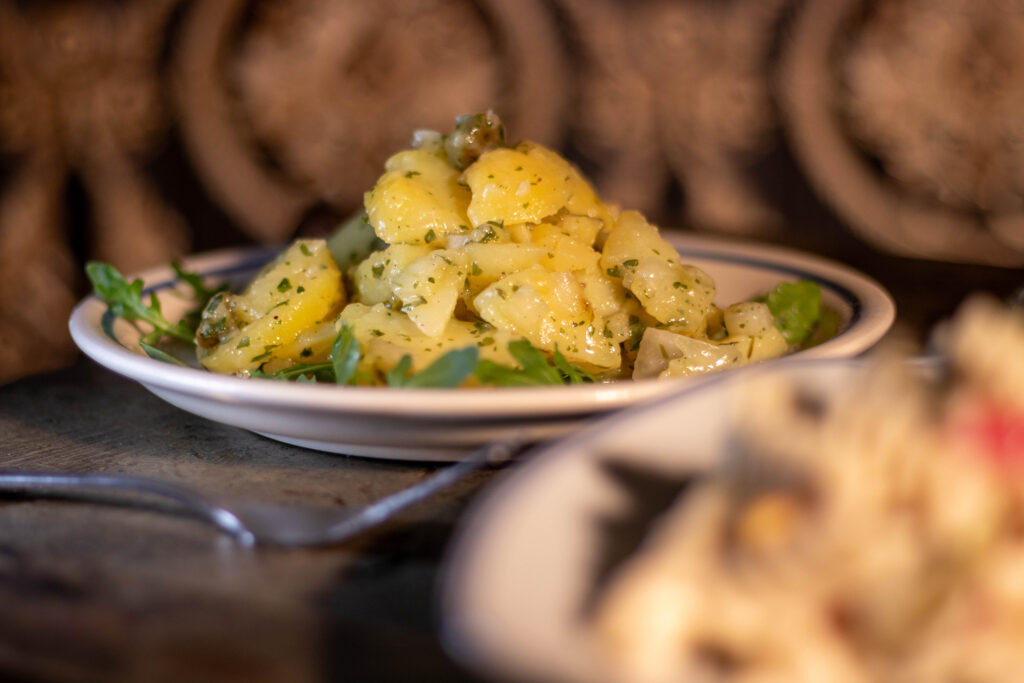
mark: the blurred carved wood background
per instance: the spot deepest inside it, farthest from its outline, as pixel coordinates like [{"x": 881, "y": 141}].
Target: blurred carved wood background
[{"x": 886, "y": 134}]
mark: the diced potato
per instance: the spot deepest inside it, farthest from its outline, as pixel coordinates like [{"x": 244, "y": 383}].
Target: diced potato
[
  {"x": 666, "y": 354},
  {"x": 520, "y": 232},
  {"x": 649, "y": 266},
  {"x": 583, "y": 201},
  {"x": 489, "y": 262},
  {"x": 583, "y": 229},
  {"x": 374, "y": 278},
  {"x": 604, "y": 294},
  {"x": 522, "y": 185},
  {"x": 311, "y": 346},
  {"x": 419, "y": 200},
  {"x": 428, "y": 289},
  {"x": 748, "y": 317},
  {"x": 563, "y": 252},
  {"x": 628, "y": 325},
  {"x": 297, "y": 292},
  {"x": 550, "y": 311},
  {"x": 754, "y": 320},
  {"x": 385, "y": 336}
]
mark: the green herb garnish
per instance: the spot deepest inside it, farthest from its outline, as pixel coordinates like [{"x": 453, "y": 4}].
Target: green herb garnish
[
  {"x": 125, "y": 301},
  {"x": 534, "y": 369},
  {"x": 449, "y": 370},
  {"x": 796, "y": 307},
  {"x": 345, "y": 355}
]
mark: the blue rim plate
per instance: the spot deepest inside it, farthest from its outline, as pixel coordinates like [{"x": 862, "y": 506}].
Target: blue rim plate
[{"x": 441, "y": 424}]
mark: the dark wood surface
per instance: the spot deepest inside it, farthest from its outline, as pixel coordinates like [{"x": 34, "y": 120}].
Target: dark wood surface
[{"x": 100, "y": 593}]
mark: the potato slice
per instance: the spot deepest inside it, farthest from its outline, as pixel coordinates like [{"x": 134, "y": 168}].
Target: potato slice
[
  {"x": 754, "y": 320},
  {"x": 550, "y": 311},
  {"x": 428, "y": 289},
  {"x": 374, "y": 278},
  {"x": 293, "y": 295},
  {"x": 385, "y": 336},
  {"x": 522, "y": 185},
  {"x": 487, "y": 263},
  {"x": 563, "y": 251},
  {"x": 682, "y": 296},
  {"x": 667, "y": 354},
  {"x": 418, "y": 200}
]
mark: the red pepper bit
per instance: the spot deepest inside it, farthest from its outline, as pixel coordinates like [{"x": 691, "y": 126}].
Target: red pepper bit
[{"x": 997, "y": 432}]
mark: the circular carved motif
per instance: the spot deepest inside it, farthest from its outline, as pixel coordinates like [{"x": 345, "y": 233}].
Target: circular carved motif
[
  {"x": 290, "y": 102},
  {"x": 906, "y": 115},
  {"x": 329, "y": 87},
  {"x": 935, "y": 90}
]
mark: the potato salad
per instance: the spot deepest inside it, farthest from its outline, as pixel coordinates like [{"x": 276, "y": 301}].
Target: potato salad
[{"x": 499, "y": 260}]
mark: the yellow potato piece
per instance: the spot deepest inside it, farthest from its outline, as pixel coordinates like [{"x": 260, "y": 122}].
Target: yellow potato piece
[
  {"x": 550, "y": 311},
  {"x": 418, "y": 200},
  {"x": 563, "y": 251},
  {"x": 428, "y": 289},
  {"x": 297, "y": 292},
  {"x": 522, "y": 185},
  {"x": 374, "y": 278},
  {"x": 385, "y": 336},
  {"x": 753, "y": 319},
  {"x": 488, "y": 263},
  {"x": 682, "y": 296},
  {"x": 583, "y": 201}
]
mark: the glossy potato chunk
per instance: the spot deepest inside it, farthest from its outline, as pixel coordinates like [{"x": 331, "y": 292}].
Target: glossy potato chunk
[
  {"x": 419, "y": 200},
  {"x": 386, "y": 336},
  {"x": 649, "y": 267},
  {"x": 522, "y": 185},
  {"x": 428, "y": 289},
  {"x": 550, "y": 310},
  {"x": 667, "y": 354},
  {"x": 283, "y": 317},
  {"x": 753, "y": 320}
]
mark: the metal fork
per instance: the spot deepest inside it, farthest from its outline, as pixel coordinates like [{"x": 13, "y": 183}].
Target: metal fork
[{"x": 251, "y": 523}]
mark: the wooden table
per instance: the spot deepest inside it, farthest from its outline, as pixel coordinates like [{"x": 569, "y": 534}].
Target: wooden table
[{"x": 99, "y": 593}]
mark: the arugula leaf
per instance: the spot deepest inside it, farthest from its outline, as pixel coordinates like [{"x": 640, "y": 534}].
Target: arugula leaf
[
  {"x": 159, "y": 354},
  {"x": 396, "y": 376},
  {"x": 495, "y": 374},
  {"x": 827, "y": 327},
  {"x": 534, "y": 370},
  {"x": 534, "y": 362},
  {"x": 345, "y": 355},
  {"x": 304, "y": 372},
  {"x": 449, "y": 370},
  {"x": 796, "y": 307},
  {"x": 124, "y": 300},
  {"x": 200, "y": 292},
  {"x": 572, "y": 373}
]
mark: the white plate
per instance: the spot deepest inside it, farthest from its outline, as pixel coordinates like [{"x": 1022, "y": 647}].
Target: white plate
[
  {"x": 437, "y": 424},
  {"x": 523, "y": 567}
]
